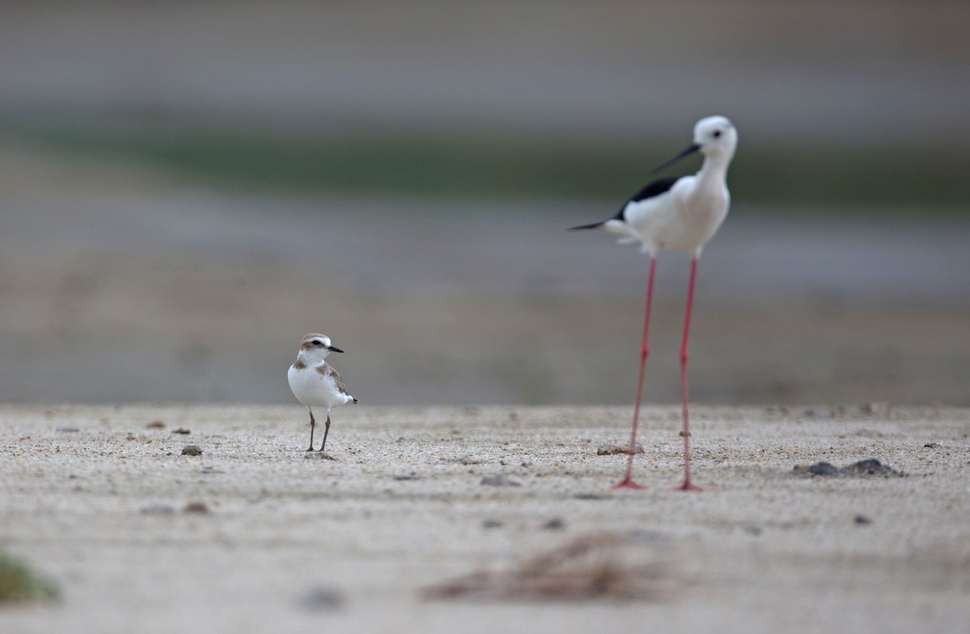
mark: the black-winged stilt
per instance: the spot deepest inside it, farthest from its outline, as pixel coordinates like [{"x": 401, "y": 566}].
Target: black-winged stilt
[{"x": 677, "y": 214}]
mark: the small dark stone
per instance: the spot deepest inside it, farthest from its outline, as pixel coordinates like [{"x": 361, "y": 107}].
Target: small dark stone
[
  {"x": 862, "y": 519},
  {"x": 196, "y": 507},
  {"x": 323, "y": 599},
  {"x": 754, "y": 531},
  {"x": 318, "y": 455},
  {"x": 411, "y": 476},
  {"x": 867, "y": 467},
  {"x": 824, "y": 469},
  {"x": 592, "y": 496},
  {"x": 491, "y": 524},
  {"x": 870, "y": 466},
  {"x": 555, "y": 524},
  {"x": 612, "y": 449},
  {"x": 499, "y": 480},
  {"x": 182, "y": 430},
  {"x": 931, "y": 445},
  {"x": 191, "y": 450},
  {"x": 155, "y": 424},
  {"x": 875, "y": 409}
]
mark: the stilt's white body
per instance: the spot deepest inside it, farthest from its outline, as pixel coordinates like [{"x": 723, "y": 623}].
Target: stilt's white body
[{"x": 687, "y": 215}]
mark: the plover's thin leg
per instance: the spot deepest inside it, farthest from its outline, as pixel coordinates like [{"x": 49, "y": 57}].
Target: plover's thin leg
[
  {"x": 628, "y": 482},
  {"x": 325, "y": 432},
  {"x": 684, "y": 356},
  {"x": 313, "y": 424}
]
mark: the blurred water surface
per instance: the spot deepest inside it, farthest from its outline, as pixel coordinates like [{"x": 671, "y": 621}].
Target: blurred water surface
[
  {"x": 158, "y": 292},
  {"x": 188, "y": 188}
]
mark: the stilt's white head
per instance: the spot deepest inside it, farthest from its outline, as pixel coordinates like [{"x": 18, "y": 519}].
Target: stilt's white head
[
  {"x": 716, "y": 137},
  {"x": 315, "y": 348}
]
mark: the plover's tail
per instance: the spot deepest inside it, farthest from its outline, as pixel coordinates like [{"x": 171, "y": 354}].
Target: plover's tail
[{"x": 355, "y": 401}]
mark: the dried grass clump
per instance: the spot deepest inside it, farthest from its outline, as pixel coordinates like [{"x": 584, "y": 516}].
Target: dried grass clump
[{"x": 585, "y": 568}]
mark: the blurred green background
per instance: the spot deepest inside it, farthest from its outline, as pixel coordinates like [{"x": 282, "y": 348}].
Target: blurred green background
[
  {"x": 188, "y": 188},
  {"x": 881, "y": 178}
]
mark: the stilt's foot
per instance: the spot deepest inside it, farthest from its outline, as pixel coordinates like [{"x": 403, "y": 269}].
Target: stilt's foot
[
  {"x": 628, "y": 483},
  {"x": 688, "y": 486},
  {"x": 310, "y": 449}
]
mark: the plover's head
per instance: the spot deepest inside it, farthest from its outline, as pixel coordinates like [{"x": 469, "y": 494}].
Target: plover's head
[
  {"x": 715, "y": 136},
  {"x": 316, "y": 347}
]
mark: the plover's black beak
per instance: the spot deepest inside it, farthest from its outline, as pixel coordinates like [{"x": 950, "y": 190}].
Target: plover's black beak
[
  {"x": 693, "y": 147},
  {"x": 334, "y": 349}
]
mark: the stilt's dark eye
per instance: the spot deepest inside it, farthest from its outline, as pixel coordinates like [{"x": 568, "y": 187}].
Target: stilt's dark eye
[{"x": 717, "y": 134}]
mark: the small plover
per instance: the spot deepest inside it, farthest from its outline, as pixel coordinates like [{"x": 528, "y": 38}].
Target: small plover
[{"x": 315, "y": 383}]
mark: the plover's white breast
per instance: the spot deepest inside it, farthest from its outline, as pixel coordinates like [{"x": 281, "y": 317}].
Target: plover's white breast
[{"x": 318, "y": 386}]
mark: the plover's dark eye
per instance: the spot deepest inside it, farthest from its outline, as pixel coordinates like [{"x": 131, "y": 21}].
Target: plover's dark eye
[
  {"x": 717, "y": 134},
  {"x": 317, "y": 342}
]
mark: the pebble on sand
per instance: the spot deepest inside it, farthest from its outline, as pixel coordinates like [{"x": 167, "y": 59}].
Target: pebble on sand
[
  {"x": 191, "y": 450},
  {"x": 499, "y": 481},
  {"x": 555, "y": 524},
  {"x": 862, "y": 468},
  {"x": 323, "y": 598},
  {"x": 612, "y": 449}
]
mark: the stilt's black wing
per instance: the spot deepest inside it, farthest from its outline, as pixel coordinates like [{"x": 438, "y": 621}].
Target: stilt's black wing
[
  {"x": 655, "y": 188},
  {"x": 652, "y": 190}
]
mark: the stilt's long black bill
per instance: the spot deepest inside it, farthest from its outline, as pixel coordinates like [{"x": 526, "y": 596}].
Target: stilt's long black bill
[
  {"x": 334, "y": 349},
  {"x": 693, "y": 147},
  {"x": 595, "y": 225}
]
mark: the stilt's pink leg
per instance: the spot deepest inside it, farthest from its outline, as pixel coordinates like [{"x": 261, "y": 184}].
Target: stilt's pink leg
[
  {"x": 684, "y": 356},
  {"x": 628, "y": 482}
]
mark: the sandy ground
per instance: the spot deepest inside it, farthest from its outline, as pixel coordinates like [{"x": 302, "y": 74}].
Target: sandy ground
[{"x": 296, "y": 544}]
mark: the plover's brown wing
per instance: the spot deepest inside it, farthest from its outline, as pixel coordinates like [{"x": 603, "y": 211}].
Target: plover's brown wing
[{"x": 327, "y": 371}]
